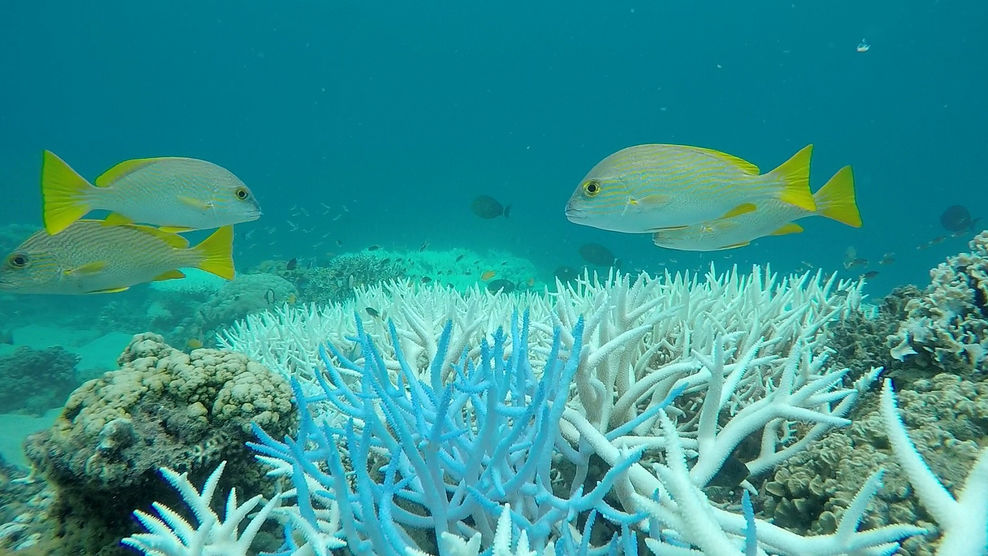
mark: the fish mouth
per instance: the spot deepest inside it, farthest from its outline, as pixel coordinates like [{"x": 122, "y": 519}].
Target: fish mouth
[{"x": 574, "y": 214}]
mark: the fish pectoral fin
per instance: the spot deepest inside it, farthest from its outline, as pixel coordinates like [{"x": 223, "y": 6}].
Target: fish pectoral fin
[
  {"x": 175, "y": 229},
  {"x": 743, "y": 208},
  {"x": 88, "y": 268},
  {"x": 651, "y": 201},
  {"x": 790, "y": 228},
  {"x": 194, "y": 203},
  {"x": 116, "y": 219},
  {"x": 112, "y": 290},
  {"x": 170, "y": 275}
]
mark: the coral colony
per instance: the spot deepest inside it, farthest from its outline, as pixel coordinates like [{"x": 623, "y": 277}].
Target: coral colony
[{"x": 604, "y": 418}]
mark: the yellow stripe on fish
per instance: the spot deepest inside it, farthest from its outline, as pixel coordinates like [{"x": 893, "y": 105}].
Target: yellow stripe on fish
[
  {"x": 92, "y": 257},
  {"x": 174, "y": 193},
  {"x": 646, "y": 188},
  {"x": 835, "y": 200}
]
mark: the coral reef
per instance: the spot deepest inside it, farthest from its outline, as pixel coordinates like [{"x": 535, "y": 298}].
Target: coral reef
[
  {"x": 946, "y": 329},
  {"x": 22, "y": 371},
  {"x": 947, "y": 417},
  {"x": 163, "y": 407}
]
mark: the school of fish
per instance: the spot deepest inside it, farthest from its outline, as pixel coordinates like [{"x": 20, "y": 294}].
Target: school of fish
[
  {"x": 149, "y": 201},
  {"x": 698, "y": 199}
]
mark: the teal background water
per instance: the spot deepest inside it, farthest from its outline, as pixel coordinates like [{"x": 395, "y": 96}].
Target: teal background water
[{"x": 403, "y": 112}]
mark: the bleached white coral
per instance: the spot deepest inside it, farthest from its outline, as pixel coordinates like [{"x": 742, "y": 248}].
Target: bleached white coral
[{"x": 171, "y": 535}]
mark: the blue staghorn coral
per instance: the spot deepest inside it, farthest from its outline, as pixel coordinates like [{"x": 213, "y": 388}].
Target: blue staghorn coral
[{"x": 413, "y": 456}]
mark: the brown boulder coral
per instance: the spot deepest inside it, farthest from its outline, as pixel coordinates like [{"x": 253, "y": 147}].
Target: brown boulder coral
[{"x": 163, "y": 407}]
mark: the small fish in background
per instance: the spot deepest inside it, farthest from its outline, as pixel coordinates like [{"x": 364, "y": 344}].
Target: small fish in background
[
  {"x": 426, "y": 279},
  {"x": 597, "y": 255},
  {"x": 373, "y": 247},
  {"x": 176, "y": 194},
  {"x": 957, "y": 220},
  {"x": 835, "y": 200},
  {"x": 648, "y": 188},
  {"x": 868, "y": 275},
  {"x": 488, "y": 274},
  {"x": 292, "y": 264},
  {"x": 459, "y": 258},
  {"x": 6, "y": 337},
  {"x": 566, "y": 273},
  {"x": 488, "y": 207},
  {"x": 855, "y": 262},
  {"x": 863, "y": 46},
  {"x": 92, "y": 257},
  {"x": 373, "y": 312},
  {"x": 887, "y": 258},
  {"x": 424, "y": 246},
  {"x": 193, "y": 343},
  {"x": 501, "y": 285}
]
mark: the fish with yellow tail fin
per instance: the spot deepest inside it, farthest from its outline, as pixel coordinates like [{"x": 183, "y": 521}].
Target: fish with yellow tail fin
[
  {"x": 92, "y": 257},
  {"x": 835, "y": 200},
  {"x": 647, "y": 188},
  {"x": 175, "y": 194}
]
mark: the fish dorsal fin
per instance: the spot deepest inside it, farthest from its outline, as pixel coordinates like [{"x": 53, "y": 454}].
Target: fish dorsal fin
[
  {"x": 116, "y": 219},
  {"x": 786, "y": 229},
  {"x": 740, "y": 163},
  {"x": 835, "y": 199},
  {"x": 170, "y": 275},
  {"x": 112, "y": 290},
  {"x": 743, "y": 208},
  {"x": 793, "y": 176},
  {"x": 193, "y": 202},
  {"x": 121, "y": 170},
  {"x": 171, "y": 239}
]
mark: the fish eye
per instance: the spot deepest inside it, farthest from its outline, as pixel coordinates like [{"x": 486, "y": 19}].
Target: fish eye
[
  {"x": 242, "y": 193},
  {"x": 17, "y": 260},
  {"x": 591, "y": 188}
]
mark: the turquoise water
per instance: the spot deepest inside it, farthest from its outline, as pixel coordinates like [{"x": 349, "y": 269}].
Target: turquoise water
[{"x": 404, "y": 112}]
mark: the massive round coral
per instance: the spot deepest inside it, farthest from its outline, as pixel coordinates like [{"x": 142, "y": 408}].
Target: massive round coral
[{"x": 163, "y": 407}]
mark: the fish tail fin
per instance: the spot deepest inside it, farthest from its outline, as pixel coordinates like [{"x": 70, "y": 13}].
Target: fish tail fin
[
  {"x": 216, "y": 253},
  {"x": 835, "y": 199},
  {"x": 507, "y": 211},
  {"x": 65, "y": 195},
  {"x": 794, "y": 176}
]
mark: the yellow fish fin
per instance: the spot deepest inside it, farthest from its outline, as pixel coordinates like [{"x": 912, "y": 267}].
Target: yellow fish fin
[
  {"x": 88, "y": 268},
  {"x": 174, "y": 229},
  {"x": 794, "y": 177},
  {"x": 170, "y": 275},
  {"x": 835, "y": 199},
  {"x": 64, "y": 194},
  {"x": 790, "y": 228},
  {"x": 743, "y": 208},
  {"x": 171, "y": 239},
  {"x": 653, "y": 200},
  {"x": 217, "y": 253},
  {"x": 116, "y": 219},
  {"x": 112, "y": 290},
  {"x": 193, "y": 202},
  {"x": 740, "y": 163},
  {"x": 120, "y": 170},
  {"x": 733, "y": 245}
]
